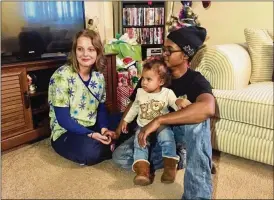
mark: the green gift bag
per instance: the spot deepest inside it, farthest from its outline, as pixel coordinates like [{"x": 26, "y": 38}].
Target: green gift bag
[{"x": 125, "y": 50}]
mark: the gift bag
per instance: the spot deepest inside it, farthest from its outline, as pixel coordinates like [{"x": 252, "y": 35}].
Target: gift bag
[
  {"x": 123, "y": 94},
  {"x": 125, "y": 50}
]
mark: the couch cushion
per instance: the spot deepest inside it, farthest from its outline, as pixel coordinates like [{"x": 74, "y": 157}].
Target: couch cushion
[
  {"x": 244, "y": 140},
  {"x": 226, "y": 66},
  {"x": 260, "y": 46},
  {"x": 251, "y": 105}
]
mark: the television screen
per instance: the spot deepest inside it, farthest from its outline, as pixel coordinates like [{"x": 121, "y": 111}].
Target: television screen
[{"x": 39, "y": 27}]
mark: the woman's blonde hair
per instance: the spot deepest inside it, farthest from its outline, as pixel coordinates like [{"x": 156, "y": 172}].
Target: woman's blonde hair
[{"x": 96, "y": 42}]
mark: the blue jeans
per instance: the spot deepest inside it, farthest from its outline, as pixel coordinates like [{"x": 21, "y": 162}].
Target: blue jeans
[
  {"x": 165, "y": 138},
  {"x": 197, "y": 140}
]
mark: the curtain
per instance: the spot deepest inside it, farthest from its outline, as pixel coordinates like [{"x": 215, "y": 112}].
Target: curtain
[{"x": 53, "y": 11}]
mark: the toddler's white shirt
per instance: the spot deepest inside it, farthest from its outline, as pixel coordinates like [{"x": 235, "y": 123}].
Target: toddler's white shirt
[{"x": 150, "y": 105}]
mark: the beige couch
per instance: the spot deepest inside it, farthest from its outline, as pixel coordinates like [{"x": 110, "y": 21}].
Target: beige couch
[{"x": 241, "y": 77}]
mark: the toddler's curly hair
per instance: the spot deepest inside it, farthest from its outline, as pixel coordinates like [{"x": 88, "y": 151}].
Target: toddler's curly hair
[{"x": 158, "y": 64}]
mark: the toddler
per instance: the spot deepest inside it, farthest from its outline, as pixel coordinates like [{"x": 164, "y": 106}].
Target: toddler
[{"x": 152, "y": 100}]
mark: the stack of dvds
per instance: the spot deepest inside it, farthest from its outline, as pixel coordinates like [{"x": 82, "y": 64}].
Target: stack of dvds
[
  {"x": 143, "y": 16},
  {"x": 146, "y": 35}
]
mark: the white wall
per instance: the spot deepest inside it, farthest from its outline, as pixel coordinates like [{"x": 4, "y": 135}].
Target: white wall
[
  {"x": 225, "y": 21},
  {"x": 12, "y": 28},
  {"x": 103, "y": 10}
]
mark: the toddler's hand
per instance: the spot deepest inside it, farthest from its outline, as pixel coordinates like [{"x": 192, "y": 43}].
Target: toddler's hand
[
  {"x": 112, "y": 146},
  {"x": 124, "y": 127},
  {"x": 182, "y": 103}
]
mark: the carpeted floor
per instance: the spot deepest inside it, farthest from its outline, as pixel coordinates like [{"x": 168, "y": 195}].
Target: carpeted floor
[{"x": 36, "y": 172}]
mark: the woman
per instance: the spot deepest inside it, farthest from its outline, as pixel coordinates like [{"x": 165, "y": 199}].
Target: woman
[{"x": 78, "y": 117}]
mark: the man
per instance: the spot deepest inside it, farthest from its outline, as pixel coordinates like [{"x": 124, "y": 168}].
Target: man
[{"x": 190, "y": 125}]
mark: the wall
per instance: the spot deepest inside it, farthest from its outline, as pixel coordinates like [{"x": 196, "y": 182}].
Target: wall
[
  {"x": 103, "y": 10},
  {"x": 225, "y": 21},
  {"x": 16, "y": 9}
]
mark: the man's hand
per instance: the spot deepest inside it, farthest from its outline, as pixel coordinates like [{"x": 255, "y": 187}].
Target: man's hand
[{"x": 147, "y": 130}]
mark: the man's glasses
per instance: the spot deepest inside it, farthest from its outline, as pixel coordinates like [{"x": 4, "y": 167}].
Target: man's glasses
[{"x": 168, "y": 51}]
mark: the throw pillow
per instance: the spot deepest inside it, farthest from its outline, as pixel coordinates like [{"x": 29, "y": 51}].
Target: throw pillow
[{"x": 260, "y": 46}]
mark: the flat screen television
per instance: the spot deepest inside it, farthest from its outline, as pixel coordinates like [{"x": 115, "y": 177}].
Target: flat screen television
[{"x": 34, "y": 28}]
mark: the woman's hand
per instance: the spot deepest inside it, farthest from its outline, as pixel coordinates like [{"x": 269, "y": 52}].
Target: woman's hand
[
  {"x": 147, "y": 130},
  {"x": 110, "y": 134},
  {"x": 124, "y": 127},
  {"x": 101, "y": 138}
]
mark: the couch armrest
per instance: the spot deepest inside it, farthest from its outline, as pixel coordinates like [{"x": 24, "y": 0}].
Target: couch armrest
[{"x": 226, "y": 66}]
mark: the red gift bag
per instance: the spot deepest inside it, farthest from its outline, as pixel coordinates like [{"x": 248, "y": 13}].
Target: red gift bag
[{"x": 123, "y": 94}]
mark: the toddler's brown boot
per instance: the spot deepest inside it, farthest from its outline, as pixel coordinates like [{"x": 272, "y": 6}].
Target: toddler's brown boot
[
  {"x": 170, "y": 169},
  {"x": 142, "y": 169}
]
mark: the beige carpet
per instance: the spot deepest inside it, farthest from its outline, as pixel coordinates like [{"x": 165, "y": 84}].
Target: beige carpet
[{"x": 36, "y": 172}]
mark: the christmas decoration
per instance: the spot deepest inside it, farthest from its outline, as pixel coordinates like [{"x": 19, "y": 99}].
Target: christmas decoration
[
  {"x": 123, "y": 78},
  {"x": 32, "y": 79},
  {"x": 133, "y": 76},
  {"x": 93, "y": 24},
  {"x": 186, "y": 16},
  {"x": 128, "y": 61},
  {"x": 206, "y": 4},
  {"x": 186, "y": 3}
]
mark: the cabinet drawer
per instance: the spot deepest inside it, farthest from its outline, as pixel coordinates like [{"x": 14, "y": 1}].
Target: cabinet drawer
[
  {"x": 12, "y": 113},
  {"x": 15, "y": 116}
]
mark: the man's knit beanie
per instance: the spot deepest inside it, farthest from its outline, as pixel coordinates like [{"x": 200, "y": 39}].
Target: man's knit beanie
[{"x": 189, "y": 39}]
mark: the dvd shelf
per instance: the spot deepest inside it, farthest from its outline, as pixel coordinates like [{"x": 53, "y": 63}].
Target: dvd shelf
[{"x": 146, "y": 22}]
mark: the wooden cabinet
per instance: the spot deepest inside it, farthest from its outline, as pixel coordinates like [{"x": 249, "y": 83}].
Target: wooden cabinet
[
  {"x": 18, "y": 117},
  {"x": 24, "y": 116}
]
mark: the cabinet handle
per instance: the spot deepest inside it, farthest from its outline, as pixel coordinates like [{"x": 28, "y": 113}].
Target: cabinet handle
[{"x": 26, "y": 100}]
